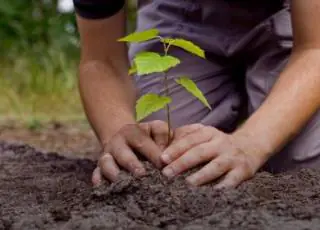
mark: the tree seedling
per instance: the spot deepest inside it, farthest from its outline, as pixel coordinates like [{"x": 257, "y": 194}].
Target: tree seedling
[{"x": 145, "y": 63}]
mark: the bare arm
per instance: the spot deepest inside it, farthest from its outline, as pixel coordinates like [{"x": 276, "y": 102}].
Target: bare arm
[
  {"x": 106, "y": 90},
  {"x": 296, "y": 95},
  {"x": 108, "y": 96},
  {"x": 294, "y": 99}
]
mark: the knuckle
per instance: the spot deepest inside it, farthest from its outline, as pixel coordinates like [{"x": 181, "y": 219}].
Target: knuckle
[
  {"x": 219, "y": 164},
  {"x": 179, "y": 131},
  {"x": 130, "y": 165},
  {"x": 242, "y": 160},
  {"x": 202, "y": 155},
  {"x": 124, "y": 158},
  {"x": 145, "y": 127},
  {"x": 182, "y": 164},
  {"x": 114, "y": 142},
  {"x": 158, "y": 123},
  {"x": 235, "y": 179},
  {"x": 247, "y": 168},
  {"x": 207, "y": 133},
  {"x": 220, "y": 143},
  {"x": 189, "y": 128},
  {"x": 223, "y": 162},
  {"x": 197, "y": 126},
  {"x": 128, "y": 162},
  {"x": 139, "y": 142},
  {"x": 127, "y": 129},
  {"x": 211, "y": 129},
  {"x": 185, "y": 143},
  {"x": 107, "y": 148},
  {"x": 206, "y": 173},
  {"x": 104, "y": 158}
]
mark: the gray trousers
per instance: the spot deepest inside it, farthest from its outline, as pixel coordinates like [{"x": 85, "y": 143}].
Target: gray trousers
[{"x": 247, "y": 45}]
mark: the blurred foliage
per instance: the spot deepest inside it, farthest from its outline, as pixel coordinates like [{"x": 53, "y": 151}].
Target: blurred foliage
[
  {"x": 40, "y": 53},
  {"x": 35, "y": 24}
]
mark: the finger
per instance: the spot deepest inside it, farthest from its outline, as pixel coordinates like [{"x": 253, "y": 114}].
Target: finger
[
  {"x": 108, "y": 167},
  {"x": 185, "y": 130},
  {"x": 210, "y": 172},
  {"x": 233, "y": 179},
  {"x": 160, "y": 133},
  {"x": 126, "y": 158},
  {"x": 178, "y": 148},
  {"x": 96, "y": 177},
  {"x": 195, "y": 156},
  {"x": 142, "y": 143},
  {"x": 145, "y": 126}
]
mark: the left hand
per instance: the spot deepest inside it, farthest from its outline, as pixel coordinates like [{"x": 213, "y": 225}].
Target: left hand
[{"x": 224, "y": 155}]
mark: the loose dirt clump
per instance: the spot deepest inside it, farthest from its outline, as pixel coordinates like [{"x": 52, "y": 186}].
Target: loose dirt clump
[{"x": 48, "y": 191}]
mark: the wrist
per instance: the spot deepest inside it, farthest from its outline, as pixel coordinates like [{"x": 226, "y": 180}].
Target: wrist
[
  {"x": 252, "y": 145},
  {"x": 113, "y": 128}
]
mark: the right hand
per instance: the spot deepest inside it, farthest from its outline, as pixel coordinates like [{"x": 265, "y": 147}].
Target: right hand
[{"x": 148, "y": 139}]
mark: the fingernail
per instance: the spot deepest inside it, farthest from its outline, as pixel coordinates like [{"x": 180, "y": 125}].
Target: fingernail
[
  {"x": 96, "y": 183},
  {"x": 165, "y": 158},
  {"x": 219, "y": 187},
  {"x": 168, "y": 172},
  {"x": 139, "y": 172},
  {"x": 96, "y": 177},
  {"x": 192, "y": 180}
]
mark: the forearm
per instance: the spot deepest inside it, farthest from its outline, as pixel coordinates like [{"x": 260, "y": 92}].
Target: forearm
[
  {"x": 106, "y": 89},
  {"x": 292, "y": 102},
  {"x": 108, "y": 100}
]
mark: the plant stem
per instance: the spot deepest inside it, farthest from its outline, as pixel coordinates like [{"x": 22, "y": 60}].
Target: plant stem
[{"x": 167, "y": 94}]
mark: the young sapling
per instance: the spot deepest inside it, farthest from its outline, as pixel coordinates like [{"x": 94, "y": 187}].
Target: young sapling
[{"x": 145, "y": 63}]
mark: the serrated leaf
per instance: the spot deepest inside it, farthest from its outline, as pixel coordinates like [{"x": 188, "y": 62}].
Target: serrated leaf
[
  {"x": 149, "y": 62},
  {"x": 150, "y": 103},
  {"x": 192, "y": 88},
  {"x": 133, "y": 69},
  {"x": 140, "y": 36},
  {"x": 186, "y": 45}
]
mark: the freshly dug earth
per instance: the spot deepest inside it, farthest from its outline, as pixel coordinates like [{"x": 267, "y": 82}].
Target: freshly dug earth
[{"x": 48, "y": 191}]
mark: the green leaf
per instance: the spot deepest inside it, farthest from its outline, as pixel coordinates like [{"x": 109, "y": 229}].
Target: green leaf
[
  {"x": 150, "y": 103},
  {"x": 140, "y": 36},
  {"x": 133, "y": 69},
  {"x": 192, "y": 88},
  {"x": 186, "y": 45},
  {"x": 149, "y": 62}
]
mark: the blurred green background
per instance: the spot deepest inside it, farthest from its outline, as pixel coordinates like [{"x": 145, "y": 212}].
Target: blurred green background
[{"x": 39, "y": 57}]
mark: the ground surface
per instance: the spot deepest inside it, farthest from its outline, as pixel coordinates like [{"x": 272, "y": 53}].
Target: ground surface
[
  {"x": 48, "y": 191},
  {"x": 67, "y": 138}
]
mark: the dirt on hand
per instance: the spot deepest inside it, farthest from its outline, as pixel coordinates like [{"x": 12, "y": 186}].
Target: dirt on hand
[{"x": 48, "y": 191}]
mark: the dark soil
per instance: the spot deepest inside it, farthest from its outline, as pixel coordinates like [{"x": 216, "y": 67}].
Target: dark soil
[
  {"x": 48, "y": 191},
  {"x": 75, "y": 138}
]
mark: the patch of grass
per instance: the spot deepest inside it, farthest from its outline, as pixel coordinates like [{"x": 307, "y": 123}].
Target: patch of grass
[{"x": 39, "y": 84}]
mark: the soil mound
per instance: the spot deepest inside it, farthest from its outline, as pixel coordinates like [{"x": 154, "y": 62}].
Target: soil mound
[{"x": 48, "y": 191}]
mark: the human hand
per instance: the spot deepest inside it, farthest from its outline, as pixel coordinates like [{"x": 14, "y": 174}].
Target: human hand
[
  {"x": 148, "y": 139},
  {"x": 224, "y": 155}
]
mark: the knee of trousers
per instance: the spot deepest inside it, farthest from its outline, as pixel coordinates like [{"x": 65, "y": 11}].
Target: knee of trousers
[{"x": 303, "y": 151}]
